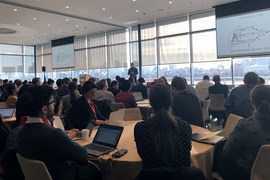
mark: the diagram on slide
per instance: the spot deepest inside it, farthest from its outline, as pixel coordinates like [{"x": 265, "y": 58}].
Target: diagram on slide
[
  {"x": 245, "y": 35},
  {"x": 61, "y": 58}
]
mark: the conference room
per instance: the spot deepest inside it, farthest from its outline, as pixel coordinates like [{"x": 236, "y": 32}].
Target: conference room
[{"x": 183, "y": 38}]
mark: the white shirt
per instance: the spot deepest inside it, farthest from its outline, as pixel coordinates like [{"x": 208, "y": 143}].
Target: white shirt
[{"x": 202, "y": 89}]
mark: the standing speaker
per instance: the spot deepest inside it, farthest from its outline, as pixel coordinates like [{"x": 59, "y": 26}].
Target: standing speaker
[{"x": 43, "y": 68}]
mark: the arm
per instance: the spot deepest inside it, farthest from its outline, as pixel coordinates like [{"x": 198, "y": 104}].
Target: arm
[
  {"x": 228, "y": 104},
  {"x": 133, "y": 102},
  {"x": 138, "y": 139}
]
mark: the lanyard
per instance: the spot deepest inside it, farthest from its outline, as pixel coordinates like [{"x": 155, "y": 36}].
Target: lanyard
[{"x": 92, "y": 106}]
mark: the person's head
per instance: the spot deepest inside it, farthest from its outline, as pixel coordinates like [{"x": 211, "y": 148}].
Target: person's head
[
  {"x": 65, "y": 81},
  {"x": 75, "y": 80},
  {"x": 58, "y": 105},
  {"x": 39, "y": 102},
  {"x": 23, "y": 89},
  {"x": 141, "y": 80},
  {"x": 165, "y": 80},
  {"x": 102, "y": 85},
  {"x": 262, "y": 81},
  {"x": 160, "y": 80},
  {"x": 109, "y": 81},
  {"x": 72, "y": 86},
  {"x": 206, "y": 77},
  {"x": 216, "y": 78},
  {"x": 5, "y": 81},
  {"x": 93, "y": 79},
  {"x": 163, "y": 126},
  {"x": 18, "y": 83},
  {"x": 178, "y": 84},
  {"x": 126, "y": 85},
  {"x": 260, "y": 99},
  {"x": 132, "y": 64},
  {"x": 36, "y": 81},
  {"x": 117, "y": 78},
  {"x": 115, "y": 84},
  {"x": 251, "y": 78},
  {"x": 59, "y": 83},
  {"x": 89, "y": 89},
  {"x": 50, "y": 82},
  {"x": 12, "y": 89},
  {"x": 25, "y": 82},
  {"x": 185, "y": 80}
]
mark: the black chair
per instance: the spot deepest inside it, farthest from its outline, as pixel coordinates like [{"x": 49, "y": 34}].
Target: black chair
[
  {"x": 104, "y": 107},
  {"x": 167, "y": 173}
]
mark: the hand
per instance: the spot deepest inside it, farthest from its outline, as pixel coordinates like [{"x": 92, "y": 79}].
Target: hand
[
  {"x": 72, "y": 133},
  {"x": 98, "y": 122}
]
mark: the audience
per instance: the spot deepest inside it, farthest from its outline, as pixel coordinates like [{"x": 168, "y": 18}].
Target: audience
[
  {"x": 141, "y": 88},
  {"x": 186, "y": 105},
  {"x": 243, "y": 144},
  {"x": 78, "y": 85},
  {"x": 63, "y": 90},
  {"x": 102, "y": 93},
  {"x": 50, "y": 82},
  {"x": 114, "y": 88},
  {"x": 202, "y": 87},
  {"x": 84, "y": 110},
  {"x": 165, "y": 81},
  {"x": 262, "y": 81},
  {"x": 190, "y": 89},
  {"x": 238, "y": 102},
  {"x": 125, "y": 96},
  {"x": 58, "y": 83},
  {"x": 10, "y": 95},
  {"x": 36, "y": 81}
]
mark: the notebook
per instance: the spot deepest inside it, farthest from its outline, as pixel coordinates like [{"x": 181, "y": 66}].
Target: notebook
[
  {"x": 105, "y": 140},
  {"x": 210, "y": 140},
  {"x": 6, "y": 112},
  {"x": 79, "y": 135}
]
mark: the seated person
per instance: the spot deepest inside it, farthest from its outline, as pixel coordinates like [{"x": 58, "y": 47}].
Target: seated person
[
  {"x": 163, "y": 140},
  {"x": 125, "y": 96},
  {"x": 10, "y": 93},
  {"x": 64, "y": 158},
  {"x": 84, "y": 110},
  {"x": 102, "y": 93},
  {"x": 114, "y": 88},
  {"x": 186, "y": 105},
  {"x": 141, "y": 88},
  {"x": 243, "y": 144}
]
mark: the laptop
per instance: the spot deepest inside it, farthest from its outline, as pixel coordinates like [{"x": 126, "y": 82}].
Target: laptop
[
  {"x": 6, "y": 112},
  {"x": 105, "y": 140},
  {"x": 138, "y": 96},
  {"x": 90, "y": 127}
]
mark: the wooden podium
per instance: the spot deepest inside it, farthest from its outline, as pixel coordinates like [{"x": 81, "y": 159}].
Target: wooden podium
[{"x": 84, "y": 78}]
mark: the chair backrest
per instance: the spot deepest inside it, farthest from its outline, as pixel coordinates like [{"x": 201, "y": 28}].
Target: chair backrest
[
  {"x": 216, "y": 103},
  {"x": 132, "y": 114},
  {"x": 117, "y": 106},
  {"x": 116, "y": 116},
  {"x": 260, "y": 168},
  {"x": 205, "y": 108},
  {"x": 3, "y": 105},
  {"x": 232, "y": 120},
  {"x": 104, "y": 108},
  {"x": 33, "y": 169},
  {"x": 57, "y": 123}
]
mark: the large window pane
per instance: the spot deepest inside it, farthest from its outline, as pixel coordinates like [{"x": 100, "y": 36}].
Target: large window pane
[
  {"x": 149, "y": 73},
  {"x": 117, "y": 37},
  {"x": 169, "y": 71},
  {"x": 47, "y": 48},
  {"x": 29, "y": 64},
  {"x": 174, "y": 50},
  {"x": 96, "y": 58},
  {"x": 80, "y": 43},
  {"x": 172, "y": 26},
  {"x": 147, "y": 32},
  {"x": 204, "y": 46},
  {"x": 122, "y": 72},
  {"x": 135, "y": 53},
  {"x": 47, "y": 62},
  {"x": 96, "y": 40},
  {"x": 222, "y": 68},
  {"x": 117, "y": 56},
  {"x": 148, "y": 53},
  {"x": 10, "y": 49},
  {"x": 28, "y": 50},
  {"x": 98, "y": 73},
  {"x": 80, "y": 59},
  {"x": 203, "y": 21},
  {"x": 10, "y": 63}
]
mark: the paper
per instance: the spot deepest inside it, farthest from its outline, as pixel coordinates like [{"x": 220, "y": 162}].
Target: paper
[{"x": 210, "y": 134}]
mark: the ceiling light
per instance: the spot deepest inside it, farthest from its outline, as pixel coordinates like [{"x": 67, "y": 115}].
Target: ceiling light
[
  {"x": 59, "y": 29},
  {"x": 18, "y": 24},
  {"x": 66, "y": 19},
  {"x": 110, "y": 17},
  {"x": 49, "y": 25},
  {"x": 134, "y": 0},
  {"x": 45, "y": 34},
  {"x": 32, "y": 37},
  {"x": 137, "y": 10},
  {"x": 170, "y": 2},
  {"x": 34, "y": 18},
  {"x": 77, "y": 25},
  {"x": 20, "y": 40},
  {"x": 103, "y": 9},
  {"x": 15, "y": 10},
  {"x": 67, "y": 7}
]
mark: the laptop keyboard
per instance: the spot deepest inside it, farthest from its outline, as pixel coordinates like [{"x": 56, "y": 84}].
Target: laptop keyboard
[{"x": 96, "y": 147}]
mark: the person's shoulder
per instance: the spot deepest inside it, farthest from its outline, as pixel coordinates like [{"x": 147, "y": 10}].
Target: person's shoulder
[
  {"x": 141, "y": 125},
  {"x": 183, "y": 124}
]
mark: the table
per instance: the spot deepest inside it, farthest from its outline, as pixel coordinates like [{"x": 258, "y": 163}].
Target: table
[
  {"x": 145, "y": 107},
  {"x": 129, "y": 165},
  {"x": 9, "y": 122}
]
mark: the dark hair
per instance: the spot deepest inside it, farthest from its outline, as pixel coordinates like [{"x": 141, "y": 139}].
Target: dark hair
[
  {"x": 9, "y": 90},
  {"x": 87, "y": 86},
  {"x": 59, "y": 82},
  {"x": 23, "y": 89},
  {"x": 102, "y": 83},
  {"x": 216, "y": 78},
  {"x": 262, "y": 81},
  {"x": 251, "y": 78},
  {"x": 125, "y": 86},
  {"x": 75, "y": 80},
  {"x": 163, "y": 126},
  {"x": 109, "y": 81},
  {"x": 260, "y": 96},
  {"x": 72, "y": 87},
  {"x": 25, "y": 82},
  {"x": 36, "y": 98},
  {"x": 58, "y": 101},
  {"x": 5, "y": 81},
  {"x": 50, "y": 81},
  {"x": 35, "y": 80},
  {"x": 65, "y": 81},
  {"x": 18, "y": 82},
  {"x": 141, "y": 80},
  {"x": 179, "y": 83},
  {"x": 114, "y": 83},
  {"x": 117, "y": 78},
  {"x": 206, "y": 77},
  {"x": 165, "y": 81}
]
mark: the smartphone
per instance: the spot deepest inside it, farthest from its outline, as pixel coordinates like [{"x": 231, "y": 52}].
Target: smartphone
[{"x": 119, "y": 153}]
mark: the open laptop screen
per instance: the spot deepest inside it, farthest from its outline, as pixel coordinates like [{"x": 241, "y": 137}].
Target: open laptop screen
[
  {"x": 108, "y": 135},
  {"x": 6, "y": 112}
]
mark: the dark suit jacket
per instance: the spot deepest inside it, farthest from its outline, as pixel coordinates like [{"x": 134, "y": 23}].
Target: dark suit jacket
[
  {"x": 219, "y": 89},
  {"x": 141, "y": 88},
  {"x": 62, "y": 91},
  {"x": 187, "y": 106},
  {"x": 81, "y": 114}
]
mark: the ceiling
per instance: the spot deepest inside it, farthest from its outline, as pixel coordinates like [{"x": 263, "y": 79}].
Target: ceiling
[{"x": 40, "y": 21}]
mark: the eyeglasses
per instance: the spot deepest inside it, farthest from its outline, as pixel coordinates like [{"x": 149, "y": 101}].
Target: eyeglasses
[{"x": 54, "y": 101}]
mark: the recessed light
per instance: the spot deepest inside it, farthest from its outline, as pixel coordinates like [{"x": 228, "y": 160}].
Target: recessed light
[
  {"x": 103, "y": 9},
  {"x": 67, "y": 7},
  {"x": 77, "y": 25},
  {"x": 170, "y": 2},
  {"x": 18, "y": 24},
  {"x": 66, "y": 19},
  {"x": 15, "y": 9},
  {"x": 110, "y": 17},
  {"x": 32, "y": 37},
  {"x": 34, "y": 18},
  {"x": 49, "y": 25},
  {"x": 45, "y": 34},
  {"x": 137, "y": 10},
  {"x": 20, "y": 40},
  {"x": 134, "y": 0},
  {"x": 59, "y": 29}
]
